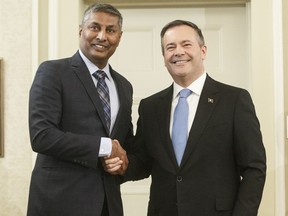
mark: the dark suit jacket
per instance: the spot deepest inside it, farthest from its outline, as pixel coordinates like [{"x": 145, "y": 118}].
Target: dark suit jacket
[
  {"x": 66, "y": 123},
  {"x": 224, "y": 164}
]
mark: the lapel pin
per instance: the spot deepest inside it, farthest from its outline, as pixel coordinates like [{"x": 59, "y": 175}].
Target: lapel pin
[{"x": 210, "y": 100}]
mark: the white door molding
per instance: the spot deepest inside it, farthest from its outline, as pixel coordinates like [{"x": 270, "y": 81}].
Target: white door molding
[
  {"x": 279, "y": 108},
  {"x": 171, "y": 3}
]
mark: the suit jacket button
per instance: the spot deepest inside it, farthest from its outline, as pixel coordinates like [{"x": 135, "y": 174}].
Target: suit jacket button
[{"x": 179, "y": 178}]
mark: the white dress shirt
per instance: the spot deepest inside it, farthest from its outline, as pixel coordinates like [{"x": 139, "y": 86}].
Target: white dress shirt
[
  {"x": 106, "y": 144},
  {"x": 193, "y": 99}
]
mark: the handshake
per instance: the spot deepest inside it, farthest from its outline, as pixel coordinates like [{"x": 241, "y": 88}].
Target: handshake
[{"x": 117, "y": 162}]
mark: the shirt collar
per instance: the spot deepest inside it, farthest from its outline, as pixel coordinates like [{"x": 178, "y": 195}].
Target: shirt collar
[
  {"x": 196, "y": 86},
  {"x": 92, "y": 67}
]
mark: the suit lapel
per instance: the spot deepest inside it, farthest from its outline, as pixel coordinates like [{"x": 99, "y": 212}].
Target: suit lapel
[
  {"x": 207, "y": 102},
  {"x": 163, "y": 109},
  {"x": 123, "y": 97},
  {"x": 84, "y": 76}
]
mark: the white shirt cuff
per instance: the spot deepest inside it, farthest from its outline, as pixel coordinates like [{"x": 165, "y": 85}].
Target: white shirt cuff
[{"x": 105, "y": 147}]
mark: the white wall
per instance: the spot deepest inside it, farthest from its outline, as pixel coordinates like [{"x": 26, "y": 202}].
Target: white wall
[
  {"x": 267, "y": 97},
  {"x": 15, "y": 49},
  {"x": 285, "y": 47}
]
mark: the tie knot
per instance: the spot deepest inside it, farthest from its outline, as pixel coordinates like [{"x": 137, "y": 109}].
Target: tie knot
[
  {"x": 99, "y": 74},
  {"x": 184, "y": 93}
]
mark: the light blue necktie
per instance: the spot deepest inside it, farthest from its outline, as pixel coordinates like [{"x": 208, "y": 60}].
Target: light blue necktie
[
  {"x": 180, "y": 124},
  {"x": 103, "y": 92}
]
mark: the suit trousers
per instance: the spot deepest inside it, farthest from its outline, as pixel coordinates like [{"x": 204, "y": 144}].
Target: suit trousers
[{"x": 105, "y": 211}]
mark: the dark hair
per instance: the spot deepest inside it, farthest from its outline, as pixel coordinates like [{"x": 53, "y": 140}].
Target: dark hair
[
  {"x": 174, "y": 23},
  {"x": 107, "y": 8}
]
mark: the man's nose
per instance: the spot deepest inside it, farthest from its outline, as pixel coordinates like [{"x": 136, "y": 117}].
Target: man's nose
[
  {"x": 101, "y": 35},
  {"x": 179, "y": 50}
]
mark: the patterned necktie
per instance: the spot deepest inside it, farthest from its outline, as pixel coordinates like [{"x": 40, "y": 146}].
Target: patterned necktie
[
  {"x": 103, "y": 92},
  {"x": 180, "y": 125}
]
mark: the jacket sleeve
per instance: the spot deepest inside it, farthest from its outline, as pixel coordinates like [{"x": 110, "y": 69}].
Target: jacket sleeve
[
  {"x": 47, "y": 134},
  {"x": 250, "y": 157},
  {"x": 140, "y": 163}
]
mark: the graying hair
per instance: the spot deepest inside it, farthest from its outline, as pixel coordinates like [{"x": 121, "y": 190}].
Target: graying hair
[{"x": 106, "y": 8}]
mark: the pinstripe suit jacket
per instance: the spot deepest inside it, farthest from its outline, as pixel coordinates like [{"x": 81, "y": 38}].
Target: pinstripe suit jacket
[{"x": 66, "y": 123}]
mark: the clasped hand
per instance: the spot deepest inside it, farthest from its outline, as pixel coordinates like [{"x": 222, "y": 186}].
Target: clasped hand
[{"x": 117, "y": 162}]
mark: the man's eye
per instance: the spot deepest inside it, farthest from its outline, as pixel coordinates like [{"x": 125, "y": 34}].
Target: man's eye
[
  {"x": 93, "y": 28},
  {"x": 111, "y": 30},
  {"x": 169, "y": 48}
]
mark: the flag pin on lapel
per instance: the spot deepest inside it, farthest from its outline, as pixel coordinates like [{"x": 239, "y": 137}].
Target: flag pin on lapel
[{"x": 210, "y": 100}]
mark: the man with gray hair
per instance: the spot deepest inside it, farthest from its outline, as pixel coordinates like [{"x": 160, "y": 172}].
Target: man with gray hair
[{"x": 79, "y": 107}]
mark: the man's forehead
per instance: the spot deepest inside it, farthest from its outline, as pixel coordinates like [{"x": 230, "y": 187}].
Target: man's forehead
[
  {"x": 180, "y": 33},
  {"x": 103, "y": 16},
  {"x": 180, "y": 29}
]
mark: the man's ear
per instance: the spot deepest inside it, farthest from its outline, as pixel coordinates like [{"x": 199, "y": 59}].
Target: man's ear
[
  {"x": 204, "y": 51},
  {"x": 80, "y": 30}
]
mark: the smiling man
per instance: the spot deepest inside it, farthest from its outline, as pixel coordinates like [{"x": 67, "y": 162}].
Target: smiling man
[
  {"x": 184, "y": 51},
  {"x": 199, "y": 139},
  {"x": 100, "y": 34},
  {"x": 78, "y": 108}
]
